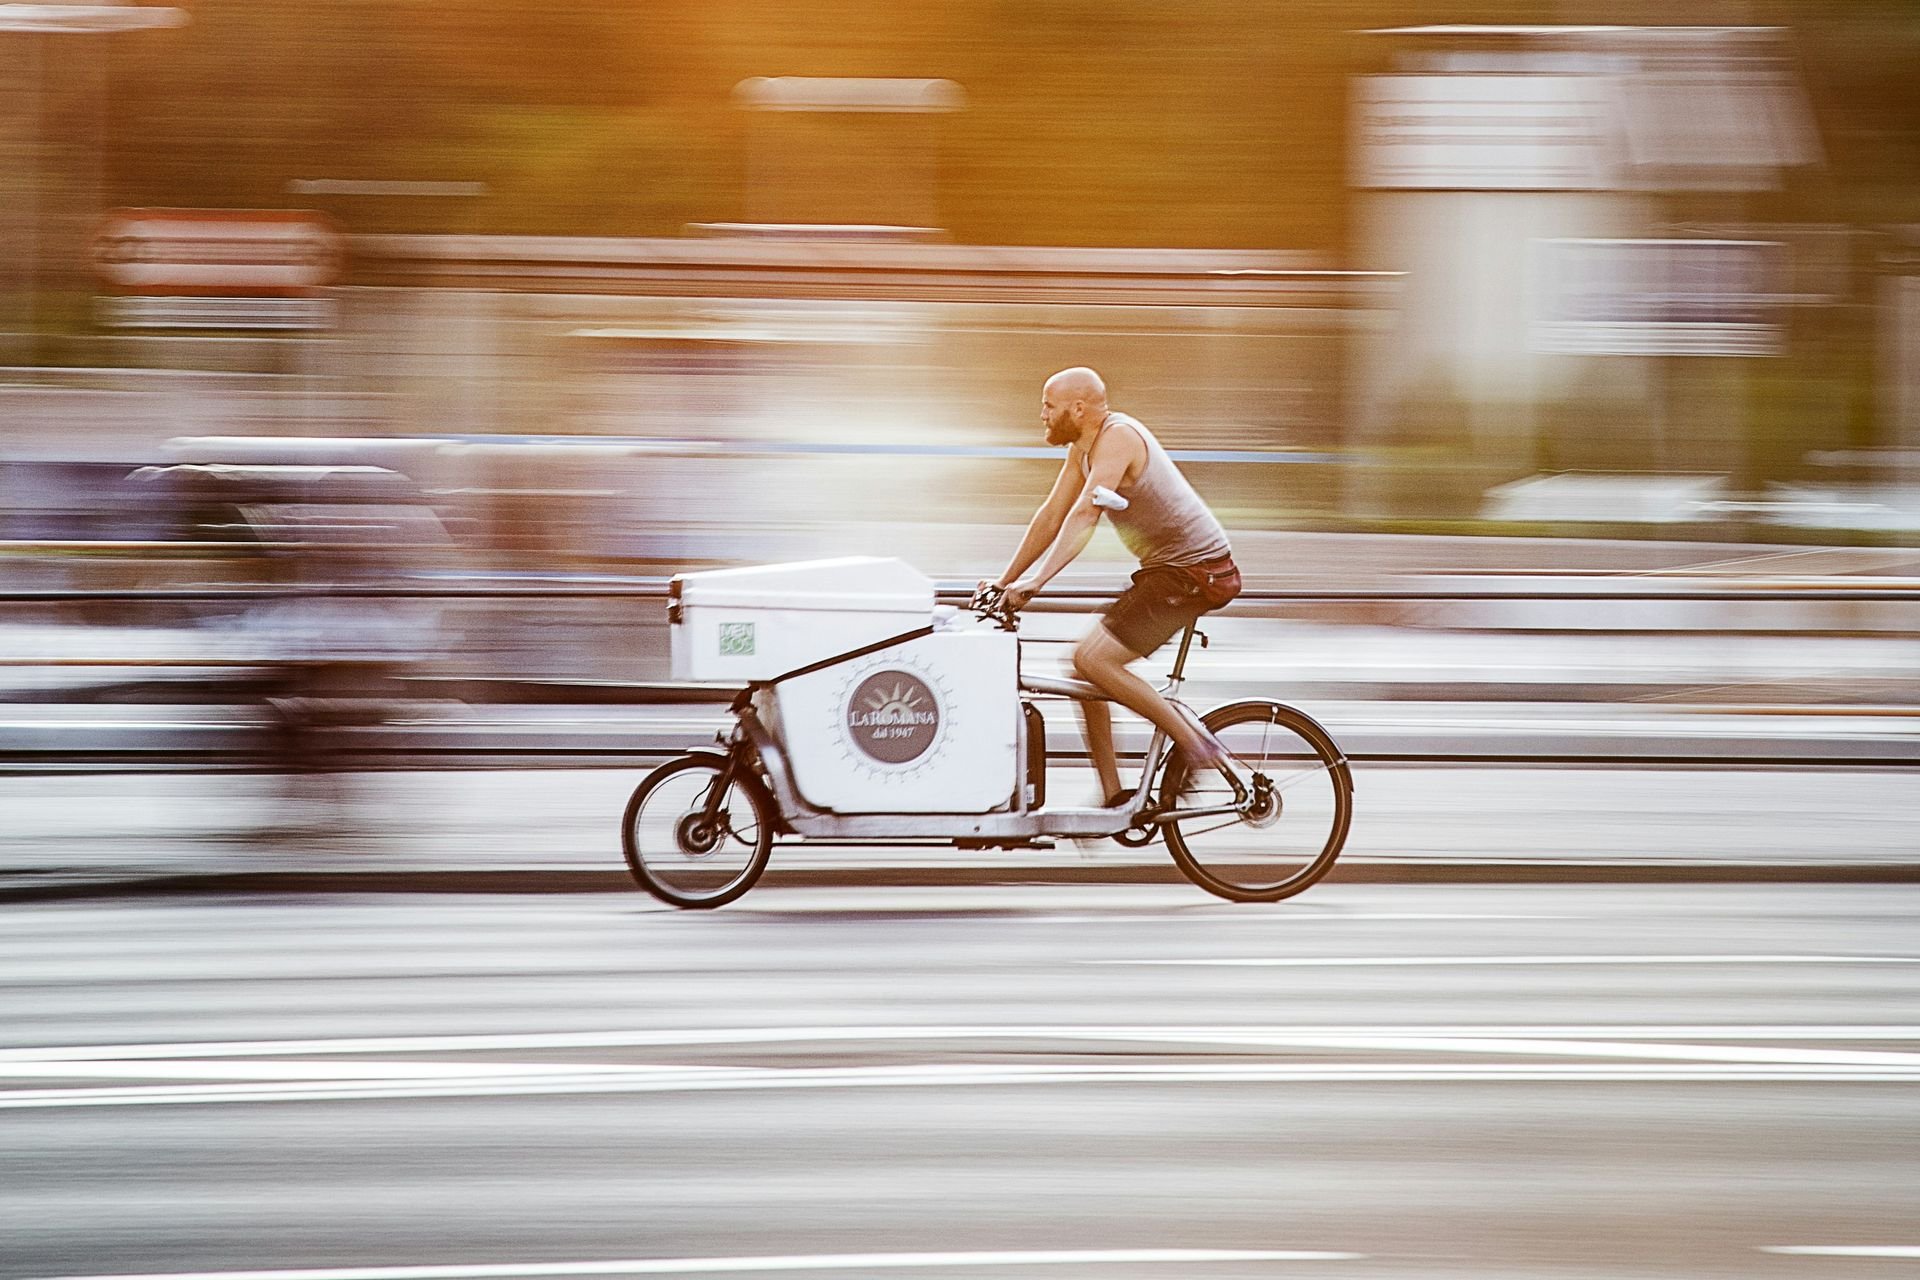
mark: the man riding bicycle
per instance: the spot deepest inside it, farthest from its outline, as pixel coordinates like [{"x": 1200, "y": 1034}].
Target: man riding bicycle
[{"x": 1186, "y": 565}]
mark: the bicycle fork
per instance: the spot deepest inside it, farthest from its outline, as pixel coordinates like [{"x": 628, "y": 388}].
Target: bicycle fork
[{"x": 712, "y": 820}]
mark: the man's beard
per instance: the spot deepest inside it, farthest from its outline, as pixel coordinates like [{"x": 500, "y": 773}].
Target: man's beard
[{"x": 1061, "y": 432}]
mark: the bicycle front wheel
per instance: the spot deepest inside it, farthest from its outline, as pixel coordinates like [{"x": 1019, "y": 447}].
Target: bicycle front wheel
[
  {"x": 1298, "y": 824},
  {"x": 689, "y": 853}
]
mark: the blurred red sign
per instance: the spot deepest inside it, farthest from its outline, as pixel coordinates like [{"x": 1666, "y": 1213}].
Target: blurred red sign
[{"x": 253, "y": 253}]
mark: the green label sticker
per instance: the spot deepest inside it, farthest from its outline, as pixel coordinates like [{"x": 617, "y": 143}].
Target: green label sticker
[{"x": 736, "y": 639}]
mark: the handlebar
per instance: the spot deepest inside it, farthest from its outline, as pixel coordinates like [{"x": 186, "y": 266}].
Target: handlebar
[{"x": 990, "y": 603}]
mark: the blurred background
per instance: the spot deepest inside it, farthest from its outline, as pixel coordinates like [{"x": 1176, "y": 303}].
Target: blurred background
[{"x": 366, "y": 367}]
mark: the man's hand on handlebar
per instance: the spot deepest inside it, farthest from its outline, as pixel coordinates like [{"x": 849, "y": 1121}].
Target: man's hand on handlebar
[
  {"x": 991, "y": 595},
  {"x": 991, "y": 600}
]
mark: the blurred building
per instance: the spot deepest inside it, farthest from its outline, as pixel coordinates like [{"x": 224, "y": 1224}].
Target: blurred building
[
  {"x": 831, "y": 296},
  {"x": 54, "y": 89},
  {"x": 1582, "y": 218}
]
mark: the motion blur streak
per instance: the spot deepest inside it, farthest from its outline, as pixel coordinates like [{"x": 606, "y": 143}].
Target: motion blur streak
[{"x": 374, "y": 374}]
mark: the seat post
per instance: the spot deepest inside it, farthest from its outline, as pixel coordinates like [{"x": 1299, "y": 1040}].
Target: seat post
[{"x": 1186, "y": 643}]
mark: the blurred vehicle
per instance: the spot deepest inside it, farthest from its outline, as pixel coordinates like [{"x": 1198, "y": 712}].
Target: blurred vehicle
[
  {"x": 329, "y": 541},
  {"x": 213, "y": 584}
]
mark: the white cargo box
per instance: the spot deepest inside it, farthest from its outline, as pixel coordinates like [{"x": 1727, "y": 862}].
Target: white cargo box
[
  {"x": 758, "y": 622},
  {"x": 928, "y": 726}
]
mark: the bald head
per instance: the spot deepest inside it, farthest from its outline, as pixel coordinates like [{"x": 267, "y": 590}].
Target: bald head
[
  {"x": 1073, "y": 400},
  {"x": 1078, "y": 383}
]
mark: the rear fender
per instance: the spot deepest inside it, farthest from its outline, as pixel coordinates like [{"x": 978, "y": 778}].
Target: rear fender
[{"x": 1313, "y": 729}]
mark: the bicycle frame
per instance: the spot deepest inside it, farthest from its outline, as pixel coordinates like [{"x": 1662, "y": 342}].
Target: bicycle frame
[{"x": 754, "y": 747}]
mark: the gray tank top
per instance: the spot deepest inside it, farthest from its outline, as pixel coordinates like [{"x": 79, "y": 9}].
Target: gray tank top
[{"x": 1165, "y": 522}]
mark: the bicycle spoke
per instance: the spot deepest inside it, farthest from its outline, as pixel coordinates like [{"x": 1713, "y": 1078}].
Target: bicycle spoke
[{"x": 1295, "y": 779}]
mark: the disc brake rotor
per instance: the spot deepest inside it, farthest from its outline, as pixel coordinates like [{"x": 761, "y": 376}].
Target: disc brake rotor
[{"x": 1266, "y": 804}]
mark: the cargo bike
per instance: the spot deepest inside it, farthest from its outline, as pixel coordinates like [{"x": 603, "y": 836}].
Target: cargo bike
[{"x": 867, "y": 716}]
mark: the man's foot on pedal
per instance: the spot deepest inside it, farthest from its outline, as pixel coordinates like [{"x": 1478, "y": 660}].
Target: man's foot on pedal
[
  {"x": 1222, "y": 764},
  {"x": 1087, "y": 845}
]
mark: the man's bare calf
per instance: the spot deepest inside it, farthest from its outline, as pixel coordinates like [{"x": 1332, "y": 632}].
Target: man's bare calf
[{"x": 1101, "y": 660}]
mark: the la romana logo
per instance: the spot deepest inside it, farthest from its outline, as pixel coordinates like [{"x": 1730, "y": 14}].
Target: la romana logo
[{"x": 893, "y": 717}]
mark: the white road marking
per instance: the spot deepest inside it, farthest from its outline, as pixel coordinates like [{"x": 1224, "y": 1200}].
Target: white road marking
[
  {"x": 311, "y": 1070},
  {"x": 1205, "y": 1034},
  {"x": 1846, "y": 1250},
  {"x": 348, "y": 1073},
  {"x": 764, "y": 1263},
  {"x": 1583, "y": 1048},
  {"x": 960, "y": 1075},
  {"x": 255, "y": 1070},
  {"x": 1304, "y": 917},
  {"x": 1396, "y": 962}
]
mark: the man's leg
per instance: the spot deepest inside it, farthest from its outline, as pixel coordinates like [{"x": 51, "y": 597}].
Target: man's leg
[
  {"x": 1101, "y": 660},
  {"x": 1097, "y": 722}
]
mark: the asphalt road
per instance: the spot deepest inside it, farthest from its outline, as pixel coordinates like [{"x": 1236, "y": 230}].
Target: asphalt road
[{"x": 1573, "y": 1081}]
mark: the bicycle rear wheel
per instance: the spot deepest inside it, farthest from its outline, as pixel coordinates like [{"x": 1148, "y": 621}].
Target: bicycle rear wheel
[{"x": 1298, "y": 825}]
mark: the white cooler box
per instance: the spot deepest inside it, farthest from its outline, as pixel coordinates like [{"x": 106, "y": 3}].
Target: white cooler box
[
  {"x": 928, "y": 726},
  {"x": 754, "y": 623}
]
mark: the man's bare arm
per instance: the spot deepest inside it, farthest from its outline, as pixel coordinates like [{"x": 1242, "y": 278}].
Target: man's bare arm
[
  {"x": 1046, "y": 522},
  {"x": 1107, "y": 469}
]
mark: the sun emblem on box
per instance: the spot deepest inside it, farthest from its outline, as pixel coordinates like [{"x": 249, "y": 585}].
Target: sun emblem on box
[{"x": 893, "y": 718}]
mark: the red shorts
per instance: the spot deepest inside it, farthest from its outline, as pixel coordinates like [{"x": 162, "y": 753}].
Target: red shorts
[{"x": 1165, "y": 598}]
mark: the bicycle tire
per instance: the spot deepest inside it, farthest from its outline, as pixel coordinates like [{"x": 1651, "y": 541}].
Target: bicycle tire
[
  {"x": 1310, "y": 755},
  {"x": 674, "y": 860}
]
